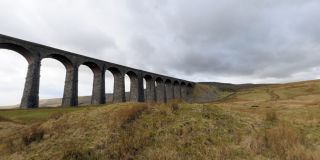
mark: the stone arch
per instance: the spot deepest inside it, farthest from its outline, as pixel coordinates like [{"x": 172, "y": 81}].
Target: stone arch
[
  {"x": 30, "y": 98},
  {"x": 134, "y": 86},
  {"x": 93, "y": 66},
  {"x": 132, "y": 74},
  {"x": 98, "y": 88},
  {"x": 63, "y": 59},
  {"x": 62, "y": 65},
  {"x": 150, "y": 92},
  {"x": 19, "y": 49},
  {"x": 183, "y": 90},
  {"x": 177, "y": 90},
  {"x": 118, "y": 87},
  {"x": 169, "y": 89},
  {"x": 13, "y": 75},
  {"x": 189, "y": 85},
  {"x": 70, "y": 92},
  {"x": 148, "y": 78},
  {"x": 189, "y": 88},
  {"x": 160, "y": 90},
  {"x": 115, "y": 71},
  {"x": 159, "y": 80}
]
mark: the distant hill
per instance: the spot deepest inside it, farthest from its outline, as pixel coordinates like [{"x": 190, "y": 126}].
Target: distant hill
[{"x": 229, "y": 87}]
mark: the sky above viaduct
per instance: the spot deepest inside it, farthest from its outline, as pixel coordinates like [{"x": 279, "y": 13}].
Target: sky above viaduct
[{"x": 235, "y": 41}]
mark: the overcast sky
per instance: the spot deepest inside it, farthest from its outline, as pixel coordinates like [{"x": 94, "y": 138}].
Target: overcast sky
[{"x": 236, "y": 41}]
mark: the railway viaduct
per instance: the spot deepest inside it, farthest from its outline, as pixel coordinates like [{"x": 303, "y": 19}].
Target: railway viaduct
[{"x": 159, "y": 88}]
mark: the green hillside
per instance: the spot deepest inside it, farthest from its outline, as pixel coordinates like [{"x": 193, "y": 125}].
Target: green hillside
[{"x": 268, "y": 122}]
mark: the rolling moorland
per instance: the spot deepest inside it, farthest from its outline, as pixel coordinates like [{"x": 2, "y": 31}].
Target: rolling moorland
[{"x": 278, "y": 121}]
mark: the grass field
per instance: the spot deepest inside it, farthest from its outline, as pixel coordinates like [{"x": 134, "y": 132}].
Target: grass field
[
  {"x": 269, "y": 122},
  {"x": 294, "y": 107},
  {"x": 38, "y": 114}
]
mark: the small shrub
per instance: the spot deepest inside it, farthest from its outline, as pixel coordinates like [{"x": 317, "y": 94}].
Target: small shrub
[
  {"x": 174, "y": 106},
  {"x": 178, "y": 100},
  {"x": 56, "y": 115},
  {"x": 271, "y": 116},
  {"x": 129, "y": 114},
  {"x": 4, "y": 119},
  {"x": 11, "y": 145},
  {"x": 127, "y": 141},
  {"x": 282, "y": 141},
  {"x": 35, "y": 133},
  {"x": 75, "y": 151},
  {"x": 163, "y": 111},
  {"x": 73, "y": 155},
  {"x": 152, "y": 103}
]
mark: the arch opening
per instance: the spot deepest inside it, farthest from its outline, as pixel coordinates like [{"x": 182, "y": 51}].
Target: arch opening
[
  {"x": 52, "y": 80},
  {"x": 176, "y": 90},
  {"x": 149, "y": 88},
  {"x": 168, "y": 81},
  {"x": 131, "y": 82},
  {"x": 85, "y": 85},
  {"x": 160, "y": 90},
  {"x": 183, "y": 90},
  {"x": 169, "y": 90},
  {"x": 13, "y": 77},
  {"x": 189, "y": 88},
  {"x": 109, "y": 85},
  {"x": 127, "y": 86},
  {"x": 159, "y": 81},
  {"x": 119, "y": 85}
]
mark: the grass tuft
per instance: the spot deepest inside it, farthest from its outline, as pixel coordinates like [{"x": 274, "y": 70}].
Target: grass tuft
[
  {"x": 271, "y": 116},
  {"x": 35, "y": 133},
  {"x": 129, "y": 114}
]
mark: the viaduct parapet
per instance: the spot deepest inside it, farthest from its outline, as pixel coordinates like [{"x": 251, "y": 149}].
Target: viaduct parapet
[{"x": 159, "y": 88}]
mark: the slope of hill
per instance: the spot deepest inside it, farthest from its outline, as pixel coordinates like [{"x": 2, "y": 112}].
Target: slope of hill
[
  {"x": 232, "y": 87},
  {"x": 268, "y": 122}
]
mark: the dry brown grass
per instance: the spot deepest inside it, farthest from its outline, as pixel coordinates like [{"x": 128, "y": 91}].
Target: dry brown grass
[
  {"x": 129, "y": 114},
  {"x": 3, "y": 119},
  {"x": 285, "y": 123},
  {"x": 124, "y": 138},
  {"x": 283, "y": 142},
  {"x": 20, "y": 140},
  {"x": 56, "y": 115},
  {"x": 74, "y": 151},
  {"x": 178, "y": 130},
  {"x": 174, "y": 105},
  {"x": 271, "y": 116},
  {"x": 34, "y": 133}
]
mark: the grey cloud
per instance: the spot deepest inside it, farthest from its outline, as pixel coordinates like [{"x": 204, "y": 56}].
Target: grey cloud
[
  {"x": 262, "y": 41},
  {"x": 248, "y": 38}
]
